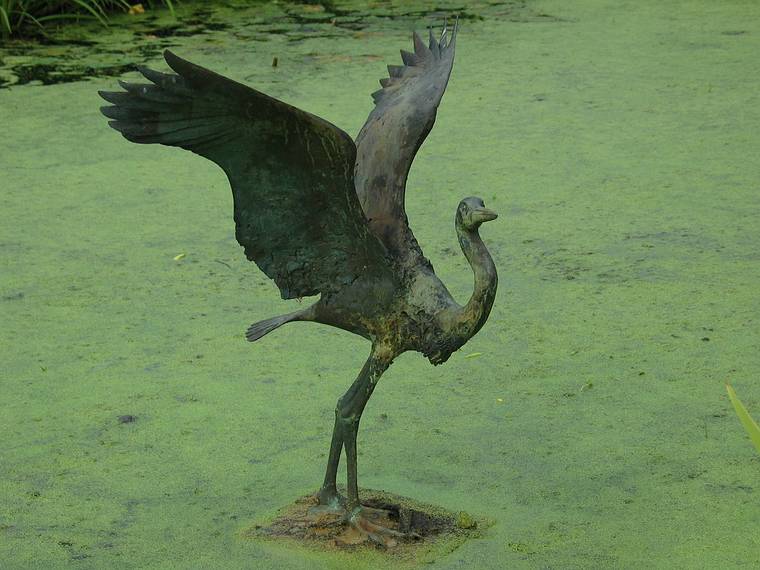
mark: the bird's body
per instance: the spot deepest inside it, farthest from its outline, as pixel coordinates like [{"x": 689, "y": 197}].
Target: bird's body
[
  {"x": 416, "y": 312},
  {"x": 397, "y": 318},
  {"x": 322, "y": 214}
]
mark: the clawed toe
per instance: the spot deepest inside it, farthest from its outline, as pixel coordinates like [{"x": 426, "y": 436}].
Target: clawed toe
[
  {"x": 374, "y": 525},
  {"x": 360, "y": 525}
]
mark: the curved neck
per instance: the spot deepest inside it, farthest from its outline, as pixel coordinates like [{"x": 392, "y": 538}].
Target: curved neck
[{"x": 477, "y": 309}]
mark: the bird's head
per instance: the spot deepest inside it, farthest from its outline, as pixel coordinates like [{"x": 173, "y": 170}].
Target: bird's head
[{"x": 472, "y": 212}]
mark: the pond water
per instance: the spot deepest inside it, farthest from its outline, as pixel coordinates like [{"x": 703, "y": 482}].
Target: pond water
[{"x": 619, "y": 143}]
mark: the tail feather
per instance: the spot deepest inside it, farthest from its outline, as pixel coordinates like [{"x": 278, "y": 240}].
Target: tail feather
[{"x": 257, "y": 330}]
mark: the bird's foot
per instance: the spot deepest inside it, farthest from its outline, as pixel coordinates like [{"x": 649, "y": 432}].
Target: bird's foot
[
  {"x": 359, "y": 525},
  {"x": 328, "y": 509},
  {"x": 329, "y": 502},
  {"x": 367, "y": 524}
]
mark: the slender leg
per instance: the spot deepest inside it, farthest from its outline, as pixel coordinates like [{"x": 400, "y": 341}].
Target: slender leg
[
  {"x": 328, "y": 494},
  {"x": 370, "y": 523},
  {"x": 350, "y": 409}
]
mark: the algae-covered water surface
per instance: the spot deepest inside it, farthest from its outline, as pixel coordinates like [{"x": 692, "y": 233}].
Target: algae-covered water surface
[{"x": 587, "y": 421}]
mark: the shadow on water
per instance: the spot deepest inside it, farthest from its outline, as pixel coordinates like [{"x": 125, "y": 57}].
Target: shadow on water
[{"x": 84, "y": 51}]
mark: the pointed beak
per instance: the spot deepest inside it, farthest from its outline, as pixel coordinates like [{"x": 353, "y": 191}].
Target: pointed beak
[{"x": 483, "y": 215}]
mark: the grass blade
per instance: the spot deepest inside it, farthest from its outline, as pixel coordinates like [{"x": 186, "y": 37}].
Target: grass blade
[
  {"x": 6, "y": 23},
  {"x": 749, "y": 424},
  {"x": 54, "y": 17},
  {"x": 36, "y": 22},
  {"x": 92, "y": 10}
]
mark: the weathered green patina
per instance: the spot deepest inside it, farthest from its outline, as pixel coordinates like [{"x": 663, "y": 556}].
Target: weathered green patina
[{"x": 320, "y": 214}]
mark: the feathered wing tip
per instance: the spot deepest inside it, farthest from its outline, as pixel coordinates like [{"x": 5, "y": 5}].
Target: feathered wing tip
[
  {"x": 437, "y": 47},
  {"x": 163, "y": 111},
  {"x": 423, "y": 56}
]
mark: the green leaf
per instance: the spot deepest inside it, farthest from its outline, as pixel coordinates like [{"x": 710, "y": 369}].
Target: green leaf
[{"x": 749, "y": 424}]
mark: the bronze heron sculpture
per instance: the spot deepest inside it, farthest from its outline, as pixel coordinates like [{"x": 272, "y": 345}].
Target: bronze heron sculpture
[{"x": 322, "y": 214}]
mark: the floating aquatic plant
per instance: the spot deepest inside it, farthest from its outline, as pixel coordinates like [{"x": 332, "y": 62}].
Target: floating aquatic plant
[{"x": 749, "y": 424}]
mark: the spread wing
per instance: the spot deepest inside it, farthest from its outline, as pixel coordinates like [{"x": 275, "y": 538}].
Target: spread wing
[
  {"x": 296, "y": 211},
  {"x": 403, "y": 115}
]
